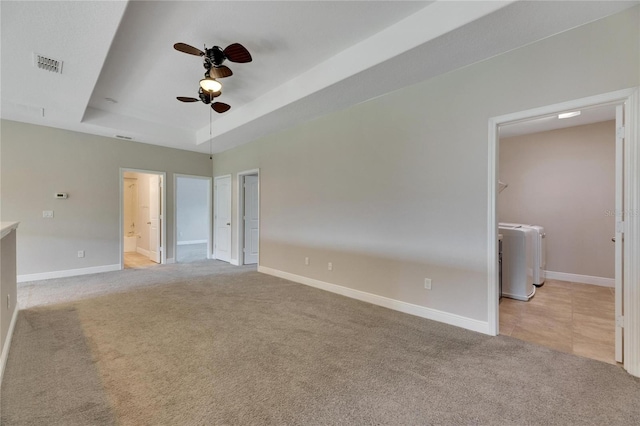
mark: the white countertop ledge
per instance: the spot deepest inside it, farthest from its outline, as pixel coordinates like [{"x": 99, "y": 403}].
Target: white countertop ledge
[{"x": 7, "y": 227}]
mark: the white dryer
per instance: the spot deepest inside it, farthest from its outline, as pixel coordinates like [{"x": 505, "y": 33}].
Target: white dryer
[
  {"x": 539, "y": 254},
  {"x": 518, "y": 246}
]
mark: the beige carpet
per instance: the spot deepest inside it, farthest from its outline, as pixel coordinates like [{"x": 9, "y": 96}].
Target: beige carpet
[{"x": 209, "y": 344}]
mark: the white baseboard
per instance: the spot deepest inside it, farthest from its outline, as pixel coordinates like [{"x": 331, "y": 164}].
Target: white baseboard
[
  {"x": 143, "y": 251},
  {"x": 584, "y": 279},
  {"x": 186, "y": 243},
  {"x": 7, "y": 343},
  {"x": 235, "y": 262},
  {"x": 67, "y": 273},
  {"x": 171, "y": 260},
  {"x": 396, "y": 305}
]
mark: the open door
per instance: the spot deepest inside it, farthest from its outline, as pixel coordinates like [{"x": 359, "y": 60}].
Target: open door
[
  {"x": 155, "y": 249},
  {"x": 619, "y": 234},
  {"x": 222, "y": 218}
]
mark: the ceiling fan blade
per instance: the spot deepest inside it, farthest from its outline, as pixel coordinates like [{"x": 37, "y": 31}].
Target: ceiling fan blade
[
  {"x": 220, "y": 107},
  {"x": 186, "y": 99},
  {"x": 182, "y": 47},
  {"x": 237, "y": 53},
  {"x": 220, "y": 72}
]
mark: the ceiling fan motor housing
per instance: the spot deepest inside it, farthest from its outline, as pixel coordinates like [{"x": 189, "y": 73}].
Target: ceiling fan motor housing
[
  {"x": 204, "y": 96},
  {"x": 215, "y": 56}
]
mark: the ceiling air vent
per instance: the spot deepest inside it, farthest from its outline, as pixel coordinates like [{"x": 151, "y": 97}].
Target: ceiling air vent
[
  {"x": 47, "y": 64},
  {"x": 127, "y": 138}
]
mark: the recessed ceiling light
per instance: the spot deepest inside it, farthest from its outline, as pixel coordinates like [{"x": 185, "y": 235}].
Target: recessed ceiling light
[
  {"x": 569, "y": 114},
  {"x": 113, "y": 101}
]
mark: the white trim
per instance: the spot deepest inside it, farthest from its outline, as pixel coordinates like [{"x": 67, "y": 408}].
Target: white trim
[
  {"x": 143, "y": 251},
  {"x": 631, "y": 272},
  {"x": 493, "y": 287},
  {"x": 396, "y": 305},
  {"x": 7, "y": 343},
  {"x": 209, "y": 240},
  {"x": 68, "y": 273},
  {"x": 584, "y": 279},
  {"x": 186, "y": 243},
  {"x": 631, "y": 242},
  {"x": 235, "y": 262},
  {"x": 240, "y": 213},
  {"x": 171, "y": 260},
  {"x": 163, "y": 212}
]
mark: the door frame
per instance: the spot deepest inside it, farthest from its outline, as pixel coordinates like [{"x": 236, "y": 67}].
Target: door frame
[
  {"x": 215, "y": 207},
  {"x": 239, "y": 257},
  {"x": 163, "y": 211},
  {"x": 209, "y": 180},
  {"x": 631, "y": 196}
]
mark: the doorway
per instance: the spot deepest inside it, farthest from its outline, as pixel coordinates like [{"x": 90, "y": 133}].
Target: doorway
[
  {"x": 193, "y": 218},
  {"x": 559, "y": 174},
  {"x": 222, "y": 218},
  {"x": 142, "y": 224},
  {"x": 248, "y": 210},
  {"x": 627, "y": 344}
]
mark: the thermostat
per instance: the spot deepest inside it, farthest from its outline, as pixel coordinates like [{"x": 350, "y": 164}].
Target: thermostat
[{"x": 62, "y": 195}]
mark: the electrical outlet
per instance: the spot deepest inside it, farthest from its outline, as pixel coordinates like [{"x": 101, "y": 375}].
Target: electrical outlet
[
  {"x": 330, "y": 266},
  {"x": 47, "y": 214},
  {"x": 427, "y": 283},
  {"x": 80, "y": 253},
  {"x": 306, "y": 261}
]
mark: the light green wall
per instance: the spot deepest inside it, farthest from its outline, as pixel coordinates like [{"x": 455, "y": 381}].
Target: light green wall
[
  {"x": 395, "y": 189},
  {"x": 37, "y": 161}
]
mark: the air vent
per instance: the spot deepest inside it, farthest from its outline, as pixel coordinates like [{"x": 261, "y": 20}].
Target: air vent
[
  {"x": 127, "y": 138},
  {"x": 47, "y": 64}
]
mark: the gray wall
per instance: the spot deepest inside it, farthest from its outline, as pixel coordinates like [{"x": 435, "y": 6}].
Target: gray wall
[
  {"x": 192, "y": 204},
  {"x": 38, "y": 161},
  {"x": 395, "y": 189},
  {"x": 564, "y": 180}
]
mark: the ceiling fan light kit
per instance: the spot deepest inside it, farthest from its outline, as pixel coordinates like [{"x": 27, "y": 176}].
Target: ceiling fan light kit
[
  {"x": 211, "y": 85},
  {"x": 213, "y": 58}
]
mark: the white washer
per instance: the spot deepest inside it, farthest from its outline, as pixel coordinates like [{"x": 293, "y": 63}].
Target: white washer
[
  {"x": 518, "y": 246},
  {"x": 540, "y": 252}
]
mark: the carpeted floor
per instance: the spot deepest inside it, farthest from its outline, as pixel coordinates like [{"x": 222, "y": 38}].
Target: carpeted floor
[{"x": 207, "y": 343}]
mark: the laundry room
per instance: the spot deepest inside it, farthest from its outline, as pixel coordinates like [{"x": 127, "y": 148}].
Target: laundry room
[{"x": 556, "y": 212}]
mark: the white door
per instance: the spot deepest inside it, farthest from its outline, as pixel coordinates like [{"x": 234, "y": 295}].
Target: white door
[
  {"x": 155, "y": 184},
  {"x": 222, "y": 218},
  {"x": 619, "y": 238},
  {"x": 251, "y": 220}
]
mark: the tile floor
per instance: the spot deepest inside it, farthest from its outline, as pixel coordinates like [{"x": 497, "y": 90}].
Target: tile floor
[
  {"x": 570, "y": 317},
  {"x": 133, "y": 260}
]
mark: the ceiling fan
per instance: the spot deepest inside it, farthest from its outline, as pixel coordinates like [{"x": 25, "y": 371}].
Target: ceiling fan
[
  {"x": 213, "y": 59},
  {"x": 207, "y": 98}
]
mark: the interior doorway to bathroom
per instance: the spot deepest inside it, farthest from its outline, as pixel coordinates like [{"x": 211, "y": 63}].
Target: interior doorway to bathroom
[
  {"x": 573, "y": 311},
  {"x": 193, "y": 218},
  {"x": 142, "y": 224}
]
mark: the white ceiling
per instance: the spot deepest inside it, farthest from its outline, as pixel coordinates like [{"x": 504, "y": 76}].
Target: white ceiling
[{"x": 309, "y": 58}]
